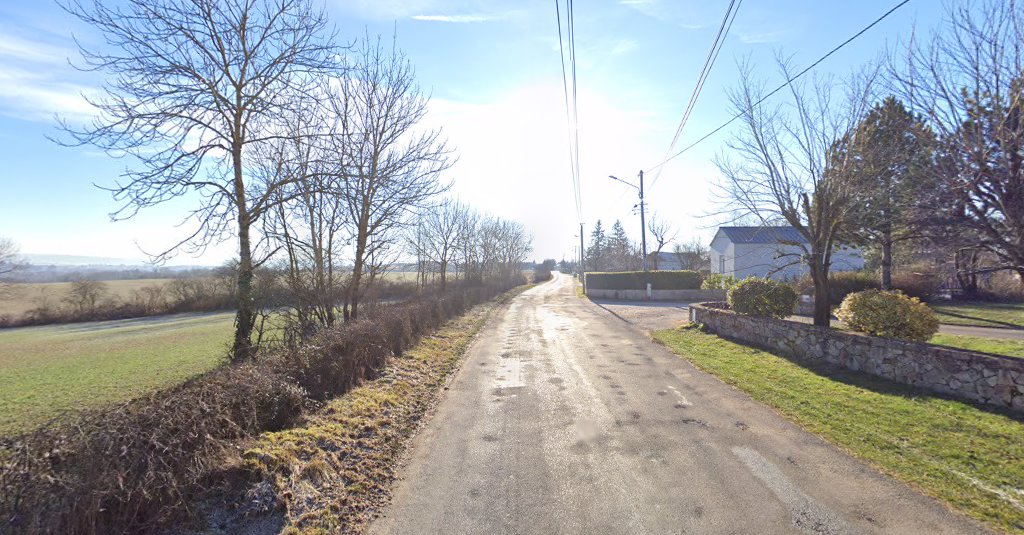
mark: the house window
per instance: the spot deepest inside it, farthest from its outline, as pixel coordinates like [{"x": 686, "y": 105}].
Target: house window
[{"x": 721, "y": 264}]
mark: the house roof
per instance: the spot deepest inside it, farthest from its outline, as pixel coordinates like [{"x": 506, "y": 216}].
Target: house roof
[
  {"x": 663, "y": 255},
  {"x": 762, "y": 234}
]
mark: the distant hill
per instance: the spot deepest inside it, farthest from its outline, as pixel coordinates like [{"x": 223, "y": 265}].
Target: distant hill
[
  {"x": 96, "y": 261},
  {"x": 64, "y": 268},
  {"x": 75, "y": 260}
]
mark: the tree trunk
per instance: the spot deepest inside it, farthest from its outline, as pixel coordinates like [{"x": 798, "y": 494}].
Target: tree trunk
[
  {"x": 245, "y": 318},
  {"x": 887, "y": 261},
  {"x": 357, "y": 277},
  {"x": 822, "y": 305}
]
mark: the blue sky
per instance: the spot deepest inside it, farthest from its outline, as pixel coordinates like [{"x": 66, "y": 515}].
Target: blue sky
[{"x": 493, "y": 71}]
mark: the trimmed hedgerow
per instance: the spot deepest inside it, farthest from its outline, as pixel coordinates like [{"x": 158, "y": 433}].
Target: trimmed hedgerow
[
  {"x": 134, "y": 467},
  {"x": 762, "y": 297},
  {"x": 637, "y": 280}
]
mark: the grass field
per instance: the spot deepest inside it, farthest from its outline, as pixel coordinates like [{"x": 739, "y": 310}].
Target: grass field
[
  {"x": 980, "y": 313},
  {"x": 969, "y": 457},
  {"x": 25, "y": 296},
  {"x": 47, "y": 370},
  {"x": 1011, "y": 348}
]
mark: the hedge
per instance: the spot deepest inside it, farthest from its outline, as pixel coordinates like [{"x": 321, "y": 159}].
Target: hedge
[
  {"x": 637, "y": 280},
  {"x": 133, "y": 467}
]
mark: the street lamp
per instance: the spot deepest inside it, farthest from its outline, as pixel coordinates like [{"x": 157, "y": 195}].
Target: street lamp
[{"x": 643, "y": 225}]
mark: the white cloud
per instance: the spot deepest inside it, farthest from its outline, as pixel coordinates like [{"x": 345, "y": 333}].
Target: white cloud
[
  {"x": 623, "y": 46},
  {"x": 38, "y": 96},
  {"x": 36, "y": 81},
  {"x": 453, "y": 11},
  {"x": 454, "y": 18},
  {"x": 16, "y": 48},
  {"x": 513, "y": 162},
  {"x": 687, "y": 15},
  {"x": 763, "y": 37}
]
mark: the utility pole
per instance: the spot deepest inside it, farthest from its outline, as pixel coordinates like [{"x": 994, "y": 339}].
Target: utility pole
[
  {"x": 583, "y": 272},
  {"x": 643, "y": 223}
]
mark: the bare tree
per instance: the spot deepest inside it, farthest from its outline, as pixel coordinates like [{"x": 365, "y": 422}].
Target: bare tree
[
  {"x": 84, "y": 295},
  {"x": 783, "y": 164},
  {"x": 311, "y": 227},
  {"x": 967, "y": 82},
  {"x": 440, "y": 240},
  {"x": 694, "y": 255},
  {"x": 8, "y": 263},
  {"x": 389, "y": 167},
  {"x": 663, "y": 233},
  {"x": 193, "y": 86},
  {"x": 503, "y": 247},
  {"x": 468, "y": 252}
]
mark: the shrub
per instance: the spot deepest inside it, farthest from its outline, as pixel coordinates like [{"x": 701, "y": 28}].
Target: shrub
[
  {"x": 638, "y": 280},
  {"x": 888, "y": 314},
  {"x": 921, "y": 285},
  {"x": 762, "y": 297},
  {"x": 844, "y": 283},
  {"x": 718, "y": 281},
  {"x": 543, "y": 271},
  {"x": 840, "y": 284},
  {"x": 126, "y": 468}
]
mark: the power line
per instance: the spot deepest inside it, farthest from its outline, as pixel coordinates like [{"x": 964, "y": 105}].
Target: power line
[
  {"x": 569, "y": 116},
  {"x": 784, "y": 85},
  {"x": 716, "y": 47},
  {"x": 575, "y": 107},
  {"x": 709, "y": 62}
]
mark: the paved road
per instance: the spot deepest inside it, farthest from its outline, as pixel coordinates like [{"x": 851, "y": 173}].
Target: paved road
[{"x": 566, "y": 419}]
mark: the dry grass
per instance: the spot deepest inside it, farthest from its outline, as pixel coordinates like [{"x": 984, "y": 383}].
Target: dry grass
[
  {"x": 333, "y": 474},
  {"x": 25, "y": 296}
]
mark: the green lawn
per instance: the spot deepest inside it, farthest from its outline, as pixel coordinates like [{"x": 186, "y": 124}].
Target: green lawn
[
  {"x": 980, "y": 313},
  {"x": 1011, "y": 348},
  {"x": 969, "y": 457},
  {"x": 47, "y": 370}
]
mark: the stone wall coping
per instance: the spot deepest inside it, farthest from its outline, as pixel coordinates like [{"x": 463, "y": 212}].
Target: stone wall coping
[{"x": 1014, "y": 362}]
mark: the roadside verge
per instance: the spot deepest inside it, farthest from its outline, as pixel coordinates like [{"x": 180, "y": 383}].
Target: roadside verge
[
  {"x": 968, "y": 456},
  {"x": 334, "y": 473}
]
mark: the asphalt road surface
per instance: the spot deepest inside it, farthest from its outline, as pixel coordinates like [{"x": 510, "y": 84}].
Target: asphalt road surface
[{"x": 566, "y": 419}]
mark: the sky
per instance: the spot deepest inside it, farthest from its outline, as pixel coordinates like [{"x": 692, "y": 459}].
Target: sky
[{"x": 493, "y": 73}]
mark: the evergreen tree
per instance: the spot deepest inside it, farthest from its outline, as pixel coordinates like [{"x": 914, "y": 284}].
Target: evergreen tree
[
  {"x": 595, "y": 260},
  {"x": 889, "y": 157},
  {"x": 621, "y": 254}
]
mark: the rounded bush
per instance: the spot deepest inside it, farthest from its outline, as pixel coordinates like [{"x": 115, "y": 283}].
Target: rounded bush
[
  {"x": 718, "y": 281},
  {"x": 888, "y": 314},
  {"x": 762, "y": 297}
]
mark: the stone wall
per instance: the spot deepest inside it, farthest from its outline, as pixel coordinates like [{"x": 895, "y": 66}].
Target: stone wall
[
  {"x": 992, "y": 379},
  {"x": 659, "y": 295}
]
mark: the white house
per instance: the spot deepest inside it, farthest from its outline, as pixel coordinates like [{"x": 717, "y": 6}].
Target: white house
[
  {"x": 664, "y": 261},
  {"x": 770, "y": 252}
]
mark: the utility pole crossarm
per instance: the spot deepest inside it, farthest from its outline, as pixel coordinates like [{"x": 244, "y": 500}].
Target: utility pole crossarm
[{"x": 643, "y": 224}]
